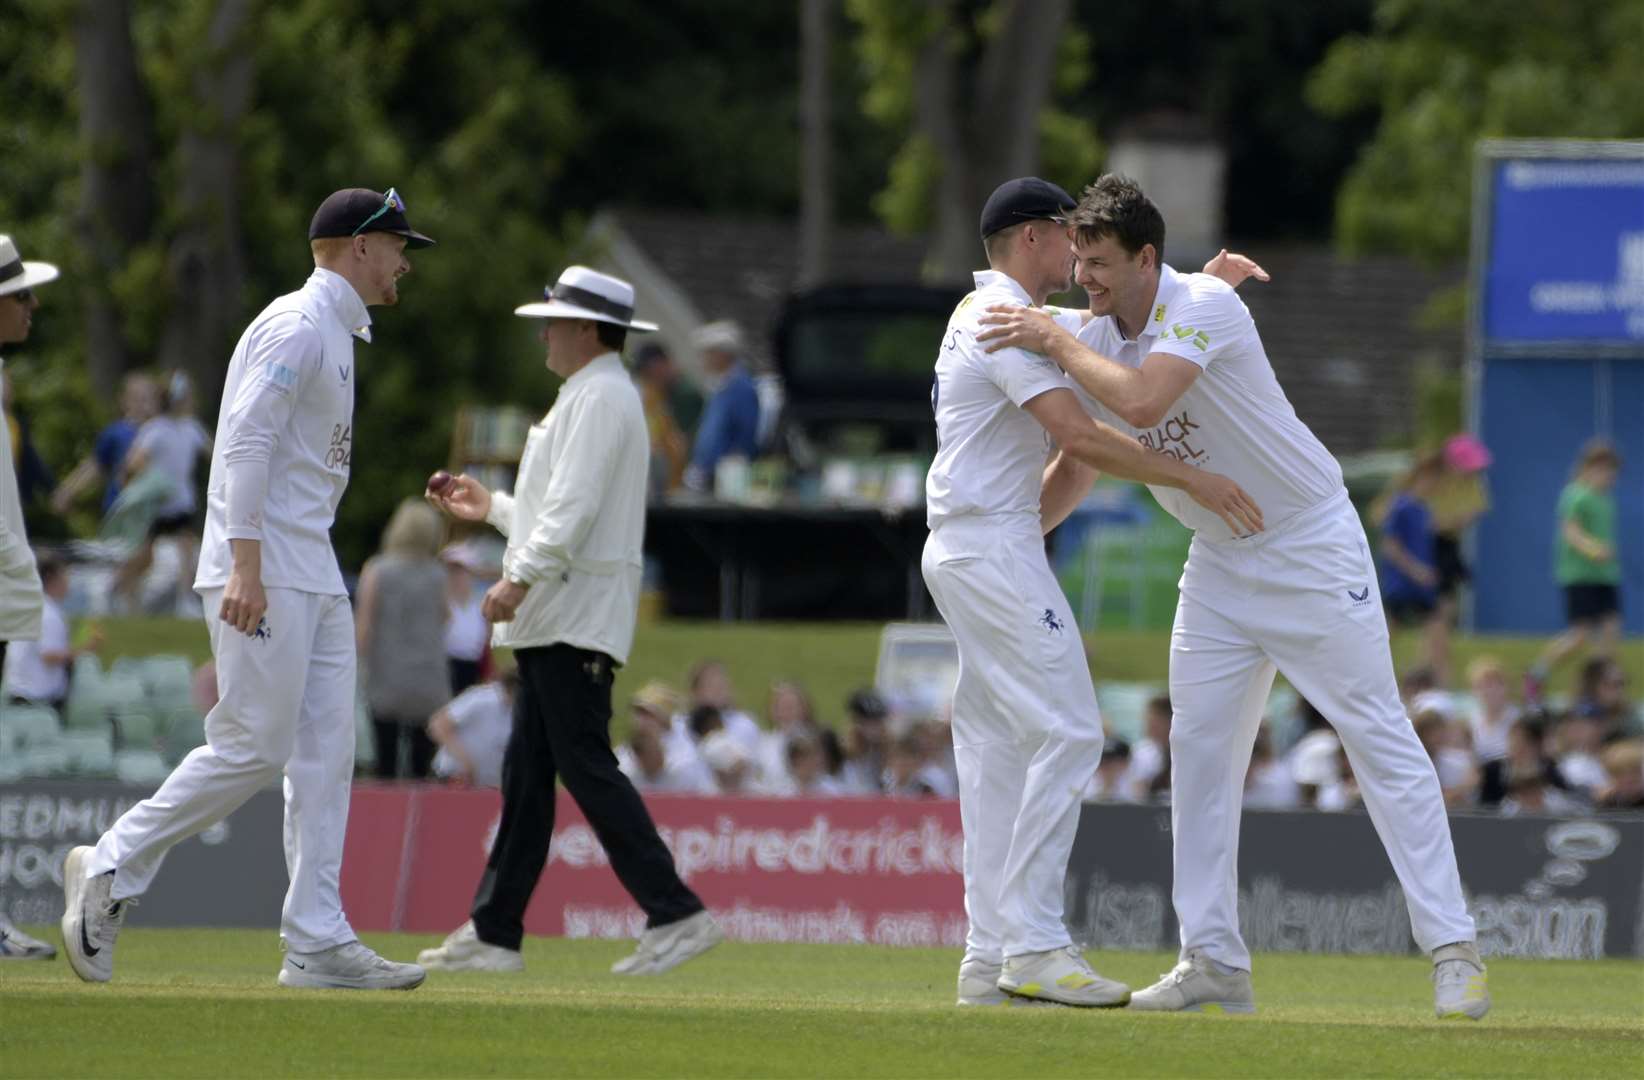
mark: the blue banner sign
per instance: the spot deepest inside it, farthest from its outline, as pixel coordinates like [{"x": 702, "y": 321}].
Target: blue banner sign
[{"x": 1566, "y": 251}]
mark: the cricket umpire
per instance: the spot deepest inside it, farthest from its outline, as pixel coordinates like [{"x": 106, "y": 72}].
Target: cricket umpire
[{"x": 566, "y": 604}]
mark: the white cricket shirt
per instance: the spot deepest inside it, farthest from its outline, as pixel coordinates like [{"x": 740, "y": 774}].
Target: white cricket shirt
[
  {"x": 1234, "y": 419},
  {"x": 990, "y": 452},
  {"x": 576, "y": 520},
  {"x": 285, "y": 435}
]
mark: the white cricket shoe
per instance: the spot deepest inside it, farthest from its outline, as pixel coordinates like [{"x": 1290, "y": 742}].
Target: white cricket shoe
[
  {"x": 979, "y": 986},
  {"x": 91, "y": 918},
  {"x": 16, "y": 945},
  {"x": 662, "y": 948},
  {"x": 1063, "y": 976},
  {"x": 1460, "y": 990},
  {"x": 1195, "y": 985},
  {"x": 352, "y": 966},
  {"x": 464, "y": 951}
]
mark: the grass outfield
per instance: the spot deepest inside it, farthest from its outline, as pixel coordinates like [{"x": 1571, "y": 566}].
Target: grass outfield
[{"x": 203, "y": 1003}]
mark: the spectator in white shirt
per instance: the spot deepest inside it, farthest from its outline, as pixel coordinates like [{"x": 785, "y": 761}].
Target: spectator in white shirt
[
  {"x": 909, "y": 772},
  {"x": 171, "y": 444},
  {"x": 37, "y": 672},
  {"x": 1579, "y": 741},
  {"x": 806, "y": 775},
  {"x": 654, "y": 763},
  {"x": 789, "y": 714},
  {"x": 1268, "y": 785},
  {"x": 1149, "y": 774},
  {"x": 467, "y": 634},
  {"x": 472, "y": 732},
  {"x": 1108, "y": 784},
  {"x": 1495, "y": 712},
  {"x": 866, "y": 743},
  {"x": 710, "y": 685},
  {"x": 1458, "y": 776}
]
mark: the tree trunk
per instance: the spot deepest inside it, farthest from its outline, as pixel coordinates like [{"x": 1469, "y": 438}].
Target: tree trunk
[
  {"x": 988, "y": 133},
  {"x": 206, "y": 262},
  {"x": 816, "y": 148},
  {"x": 117, "y": 198}
]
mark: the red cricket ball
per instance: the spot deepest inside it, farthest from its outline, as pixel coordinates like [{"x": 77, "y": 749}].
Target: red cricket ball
[{"x": 439, "y": 481}]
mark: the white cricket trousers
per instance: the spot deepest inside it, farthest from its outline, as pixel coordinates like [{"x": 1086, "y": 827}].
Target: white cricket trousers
[
  {"x": 286, "y": 703},
  {"x": 1027, "y": 734},
  {"x": 1302, "y": 599}
]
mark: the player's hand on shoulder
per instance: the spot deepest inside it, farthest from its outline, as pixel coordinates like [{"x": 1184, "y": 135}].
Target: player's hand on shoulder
[
  {"x": 1012, "y": 326},
  {"x": 1228, "y": 501},
  {"x": 462, "y": 497},
  {"x": 1235, "y": 268}
]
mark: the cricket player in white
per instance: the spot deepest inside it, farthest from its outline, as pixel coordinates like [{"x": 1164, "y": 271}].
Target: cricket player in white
[
  {"x": 1026, "y": 730},
  {"x": 1175, "y": 360},
  {"x": 283, "y": 638}
]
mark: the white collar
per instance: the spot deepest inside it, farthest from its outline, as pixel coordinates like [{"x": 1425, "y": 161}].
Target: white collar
[
  {"x": 605, "y": 362},
  {"x": 1002, "y": 280},
  {"x": 344, "y": 302}
]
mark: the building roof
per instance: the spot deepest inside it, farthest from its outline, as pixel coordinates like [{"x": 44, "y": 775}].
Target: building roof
[{"x": 1345, "y": 337}]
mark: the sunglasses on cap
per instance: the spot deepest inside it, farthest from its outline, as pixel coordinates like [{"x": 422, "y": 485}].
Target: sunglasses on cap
[{"x": 390, "y": 201}]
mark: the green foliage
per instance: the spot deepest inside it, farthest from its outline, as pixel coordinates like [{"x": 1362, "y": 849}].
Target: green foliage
[
  {"x": 887, "y": 43},
  {"x": 1441, "y": 74}
]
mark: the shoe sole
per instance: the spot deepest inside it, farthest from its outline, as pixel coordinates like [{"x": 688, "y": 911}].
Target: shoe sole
[
  {"x": 1217, "y": 1008},
  {"x": 1035, "y": 992},
  {"x": 74, "y": 893},
  {"x": 1465, "y": 1013},
  {"x": 297, "y": 981},
  {"x": 438, "y": 963}
]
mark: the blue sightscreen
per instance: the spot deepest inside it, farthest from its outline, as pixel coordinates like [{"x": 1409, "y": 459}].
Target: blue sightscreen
[
  {"x": 1566, "y": 251},
  {"x": 1535, "y": 415}
]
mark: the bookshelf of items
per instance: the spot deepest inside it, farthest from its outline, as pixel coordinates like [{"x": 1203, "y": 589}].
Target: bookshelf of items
[{"x": 487, "y": 441}]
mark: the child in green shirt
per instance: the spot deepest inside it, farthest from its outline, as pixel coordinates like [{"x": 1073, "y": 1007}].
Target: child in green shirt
[{"x": 1586, "y": 564}]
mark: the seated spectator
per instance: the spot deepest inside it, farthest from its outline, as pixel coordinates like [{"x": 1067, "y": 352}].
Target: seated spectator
[
  {"x": 733, "y": 767},
  {"x": 1457, "y": 775},
  {"x": 1495, "y": 711},
  {"x": 730, "y": 422},
  {"x": 1528, "y": 792},
  {"x": 1268, "y": 785},
  {"x": 472, "y": 732},
  {"x": 1578, "y": 742},
  {"x": 909, "y": 773},
  {"x": 1108, "y": 784},
  {"x": 37, "y": 672},
  {"x": 1312, "y": 761},
  {"x": 1601, "y": 694},
  {"x": 652, "y": 760},
  {"x": 936, "y": 740},
  {"x": 1343, "y": 794},
  {"x": 1624, "y": 767},
  {"x": 711, "y": 686},
  {"x": 1149, "y": 774},
  {"x": 866, "y": 742},
  {"x": 1526, "y": 753},
  {"x": 788, "y": 714},
  {"x": 1421, "y": 692},
  {"x": 806, "y": 775}
]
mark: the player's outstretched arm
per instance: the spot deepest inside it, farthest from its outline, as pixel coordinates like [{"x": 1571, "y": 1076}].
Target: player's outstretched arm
[
  {"x": 1100, "y": 447},
  {"x": 1235, "y": 269},
  {"x": 1139, "y": 396}
]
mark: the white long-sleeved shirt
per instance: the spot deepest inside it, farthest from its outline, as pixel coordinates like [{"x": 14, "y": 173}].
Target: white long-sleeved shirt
[
  {"x": 20, "y": 594},
  {"x": 285, "y": 436},
  {"x": 576, "y": 520}
]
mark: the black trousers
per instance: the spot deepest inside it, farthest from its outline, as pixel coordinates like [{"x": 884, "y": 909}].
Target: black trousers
[
  {"x": 389, "y": 733},
  {"x": 464, "y": 673},
  {"x": 562, "y": 727}
]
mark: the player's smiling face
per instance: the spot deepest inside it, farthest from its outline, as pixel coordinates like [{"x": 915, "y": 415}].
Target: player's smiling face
[
  {"x": 385, "y": 262},
  {"x": 1111, "y": 276}
]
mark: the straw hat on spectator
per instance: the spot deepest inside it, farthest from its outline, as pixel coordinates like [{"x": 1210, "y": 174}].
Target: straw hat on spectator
[{"x": 657, "y": 698}]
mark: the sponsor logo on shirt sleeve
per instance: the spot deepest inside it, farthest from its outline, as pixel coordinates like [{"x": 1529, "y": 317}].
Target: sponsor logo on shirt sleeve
[
  {"x": 277, "y": 377},
  {"x": 1198, "y": 338}
]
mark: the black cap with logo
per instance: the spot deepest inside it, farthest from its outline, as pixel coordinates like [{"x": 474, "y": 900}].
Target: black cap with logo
[
  {"x": 353, "y": 211},
  {"x": 1026, "y": 198}
]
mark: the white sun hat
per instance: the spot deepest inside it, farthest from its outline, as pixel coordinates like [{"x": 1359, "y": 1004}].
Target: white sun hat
[
  {"x": 581, "y": 293},
  {"x": 17, "y": 275}
]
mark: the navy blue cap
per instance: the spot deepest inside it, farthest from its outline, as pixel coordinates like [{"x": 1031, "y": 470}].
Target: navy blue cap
[
  {"x": 1026, "y": 198},
  {"x": 353, "y": 211}
]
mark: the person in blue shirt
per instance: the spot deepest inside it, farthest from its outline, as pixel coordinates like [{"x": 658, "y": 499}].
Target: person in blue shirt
[
  {"x": 139, "y": 402},
  {"x": 730, "y": 423},
  {"x": 1409, "y": 560}
]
